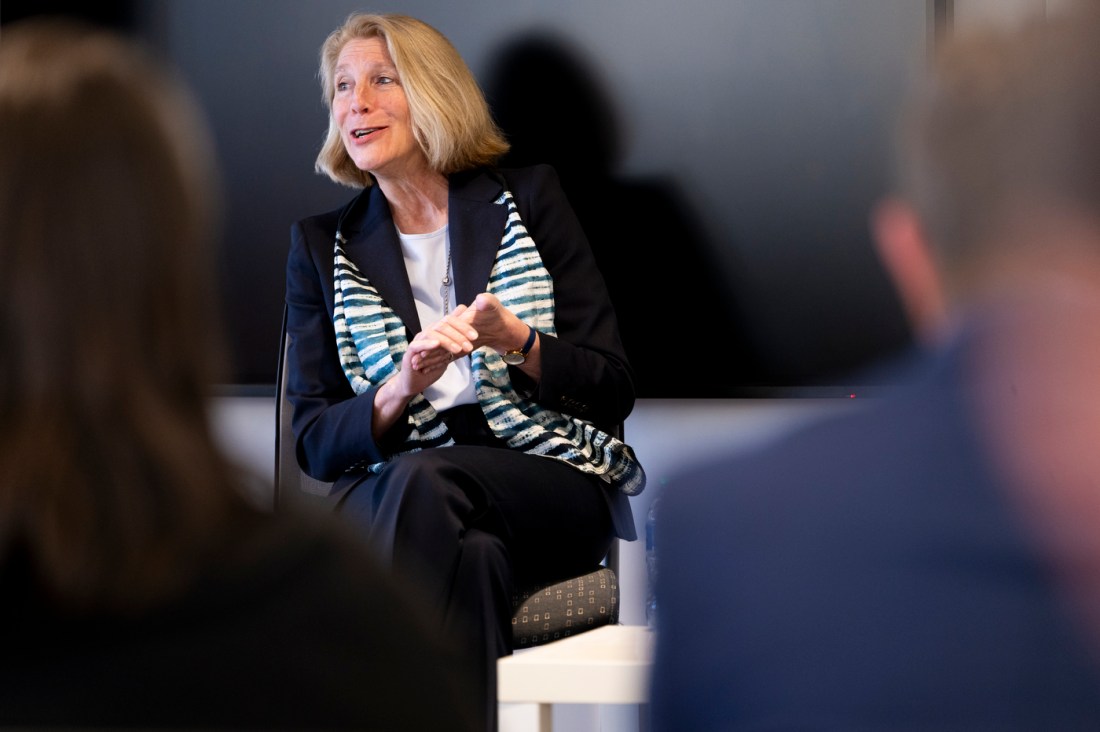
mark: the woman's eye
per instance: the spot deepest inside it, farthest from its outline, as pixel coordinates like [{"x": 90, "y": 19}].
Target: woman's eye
[
  {"x": 385, "y": 80},
  {"x": 342, "y": 86}
]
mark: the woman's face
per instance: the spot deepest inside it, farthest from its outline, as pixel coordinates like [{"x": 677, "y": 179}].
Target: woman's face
[{"x": 372, "y": 112}]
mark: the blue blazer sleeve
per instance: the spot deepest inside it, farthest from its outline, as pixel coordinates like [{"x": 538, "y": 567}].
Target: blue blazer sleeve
[{"x": 332, "y": 425}]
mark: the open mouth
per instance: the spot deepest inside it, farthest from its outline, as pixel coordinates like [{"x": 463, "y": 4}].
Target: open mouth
[{"x": 363, "y": 132}]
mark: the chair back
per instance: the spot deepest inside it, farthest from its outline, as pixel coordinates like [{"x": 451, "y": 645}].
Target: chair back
[{"x": 292, "y": 486}]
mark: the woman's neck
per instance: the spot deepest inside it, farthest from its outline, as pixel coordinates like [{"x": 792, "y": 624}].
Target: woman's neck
[{"x": 418, "y": 203}]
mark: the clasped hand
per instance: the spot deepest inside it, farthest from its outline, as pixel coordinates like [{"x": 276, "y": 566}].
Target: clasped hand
[{"x": 485, "y": 322}]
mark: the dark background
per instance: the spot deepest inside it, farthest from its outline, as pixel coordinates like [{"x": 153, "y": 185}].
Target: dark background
[{"x": 723, "y": 156}]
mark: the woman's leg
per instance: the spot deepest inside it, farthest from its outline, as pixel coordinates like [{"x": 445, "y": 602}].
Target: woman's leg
[{"x": 470, "y": 523}]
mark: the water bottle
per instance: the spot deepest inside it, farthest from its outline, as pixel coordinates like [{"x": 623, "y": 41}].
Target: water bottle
[{"x": 651, "y": 567}]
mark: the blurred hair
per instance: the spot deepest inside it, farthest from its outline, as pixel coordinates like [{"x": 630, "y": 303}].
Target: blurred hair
[
  {"x": 112, "y": 486},
  {"x": 451, "y": 119},
  {"x": 1008, "y": 119}
]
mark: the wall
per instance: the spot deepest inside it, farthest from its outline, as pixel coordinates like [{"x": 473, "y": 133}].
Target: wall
[{"x": 722, "y": 155}]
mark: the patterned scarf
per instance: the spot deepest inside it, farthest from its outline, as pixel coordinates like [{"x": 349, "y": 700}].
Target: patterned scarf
[{"x": 371, "y": 341}]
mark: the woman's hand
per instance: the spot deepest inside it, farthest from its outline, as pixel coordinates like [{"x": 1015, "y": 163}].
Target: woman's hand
[
  {"x": 427, "y": 357},
  {"x": 433, "y": 348},
  {"x": 500, "y": 329},
  {"x": 486, "y": 322},
  {"x": 496, "y": 325}
]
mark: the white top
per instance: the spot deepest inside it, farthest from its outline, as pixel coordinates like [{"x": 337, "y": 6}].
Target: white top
[{"x": 425, "y": 261}]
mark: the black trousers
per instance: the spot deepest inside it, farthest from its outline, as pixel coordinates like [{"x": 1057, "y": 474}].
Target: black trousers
[{"x": 471, "y": 523}]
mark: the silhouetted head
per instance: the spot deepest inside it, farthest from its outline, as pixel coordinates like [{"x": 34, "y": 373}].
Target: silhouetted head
[{"x": 552, "y": 108}]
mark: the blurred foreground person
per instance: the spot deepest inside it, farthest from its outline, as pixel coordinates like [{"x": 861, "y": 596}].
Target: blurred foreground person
[
  {"x": 138, "y": 586},
  {"x": 930, "y": 559}
]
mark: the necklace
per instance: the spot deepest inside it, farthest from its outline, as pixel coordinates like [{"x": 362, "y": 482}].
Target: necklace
[{"x": 445, "y": 288}]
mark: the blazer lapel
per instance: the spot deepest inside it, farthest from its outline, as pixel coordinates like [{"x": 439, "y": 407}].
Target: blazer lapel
[
  {"x": 476, "y": 225},
  {"x": 373, "y": 246}
]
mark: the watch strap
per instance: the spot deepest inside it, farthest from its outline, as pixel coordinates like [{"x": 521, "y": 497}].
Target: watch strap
[{"x": 517, "y": 356}]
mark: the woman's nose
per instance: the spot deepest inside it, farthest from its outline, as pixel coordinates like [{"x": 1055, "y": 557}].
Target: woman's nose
[{"x": 361, "y": 100}]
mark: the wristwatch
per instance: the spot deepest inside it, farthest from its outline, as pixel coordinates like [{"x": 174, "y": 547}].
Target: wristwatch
[{"x": 517, "y": 356}]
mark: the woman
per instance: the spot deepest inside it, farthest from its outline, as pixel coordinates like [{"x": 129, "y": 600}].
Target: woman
[
  {"x": 139, "y": 587},
  {"x": 454, "y": 363}
]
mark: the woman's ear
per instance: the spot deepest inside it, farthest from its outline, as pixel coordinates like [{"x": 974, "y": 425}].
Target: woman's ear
[{"x": 911, "y": 264}]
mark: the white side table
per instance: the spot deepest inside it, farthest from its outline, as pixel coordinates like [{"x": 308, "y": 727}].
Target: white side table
[{"x": 609, "y": 665}]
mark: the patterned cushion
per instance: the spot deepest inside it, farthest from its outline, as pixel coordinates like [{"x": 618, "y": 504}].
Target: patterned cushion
[{"x": 566, "y": 608}]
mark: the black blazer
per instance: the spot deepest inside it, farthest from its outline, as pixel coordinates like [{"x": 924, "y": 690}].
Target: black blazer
[{"x": 585, "y": 372}]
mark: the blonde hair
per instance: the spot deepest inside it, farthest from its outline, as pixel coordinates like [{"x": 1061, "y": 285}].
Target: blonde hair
[{"x": 451, "y": 119}]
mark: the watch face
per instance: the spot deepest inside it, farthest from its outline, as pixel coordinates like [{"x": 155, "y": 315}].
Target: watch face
[{"x": 513, "y": 358}]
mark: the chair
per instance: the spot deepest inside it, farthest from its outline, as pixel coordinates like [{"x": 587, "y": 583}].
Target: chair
[{"x": 541, "y": 614}]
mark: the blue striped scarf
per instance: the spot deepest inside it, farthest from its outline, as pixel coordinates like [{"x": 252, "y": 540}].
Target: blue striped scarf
[{"x": 371, "y": 341}]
